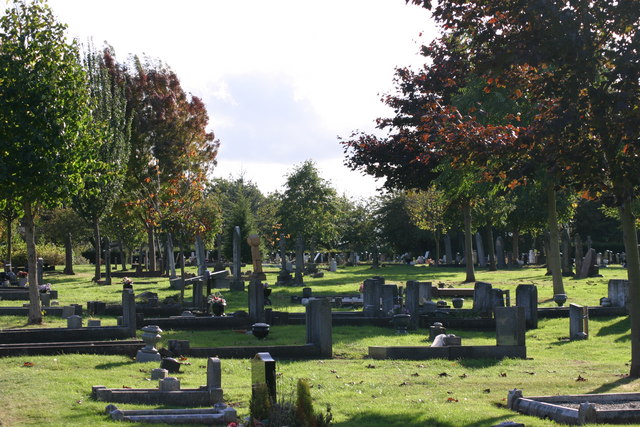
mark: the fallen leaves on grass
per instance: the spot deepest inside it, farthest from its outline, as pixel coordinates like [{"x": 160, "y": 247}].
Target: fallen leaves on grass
[
  {"x": 370, "y": 366},
  {"x": 463, "y": 376},
  {"x": 486, "y": 390},
  {"x": 451, "y": 399},
  {"x": 502, "y": 374},
  {"x": 580, "y": 378},
  {"x": 28, "y": 364},
  {"x": 403, "y": 383},
  {"x": 443, "y": 374},
  {"x": 415, "y": 374}
]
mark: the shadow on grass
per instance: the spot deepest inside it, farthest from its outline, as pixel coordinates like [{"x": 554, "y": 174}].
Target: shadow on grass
[
  {"x": 478, "y": 363},
  {"x": 620, "y": 327},
  {"x": 115, "y": 364},
  {"x": 371, "y": 419},
  {"x": 604, "y": 388}
]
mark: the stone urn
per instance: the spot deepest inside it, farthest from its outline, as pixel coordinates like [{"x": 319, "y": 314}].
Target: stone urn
[
  {"x": 151, "y": 336},
  {"x": 401, "y": 322},
  {"x": 457, "y": 302},
  {"x": 260, "y": 330},
  {"x": 560, "y": 299}
]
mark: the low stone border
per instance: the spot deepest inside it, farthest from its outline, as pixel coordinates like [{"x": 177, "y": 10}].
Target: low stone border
[
  {"x": 128, "y": 347},
  {"x": 578, "y": 409},
  {"x": 217, "y": 415},
  {"x": 451, "y": 353}
]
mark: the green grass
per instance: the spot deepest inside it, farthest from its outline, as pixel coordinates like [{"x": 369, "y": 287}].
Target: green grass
[{"x": 362, "y": 392}]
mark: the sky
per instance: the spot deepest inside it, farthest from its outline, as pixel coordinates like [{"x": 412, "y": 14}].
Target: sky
[{"x": 281, "y": 79}]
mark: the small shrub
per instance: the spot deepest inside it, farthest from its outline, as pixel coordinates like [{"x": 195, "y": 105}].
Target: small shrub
[
  {"x": 260, "y": 402},
  {"x": 50, "y": 253},
  {"x": 304, "y": 404}
]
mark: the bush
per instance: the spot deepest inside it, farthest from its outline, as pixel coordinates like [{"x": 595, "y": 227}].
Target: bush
[{"x": 50, "y": 253}]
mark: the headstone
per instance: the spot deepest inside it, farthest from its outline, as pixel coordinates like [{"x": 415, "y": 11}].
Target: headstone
[
  {"x": 45, "y": 299},
  {"x": 129, "y": 311},
  {"x": 527, "y": 297},
  {"x": 500, "y": 253},
  {"x": 170, "y": 384},
  {"x": 171, "y": 256},
  {"x": 74, "y": 322},
  {"x": 448, "y": 250},
  {"x": 263, "y": 373},
  {"x": 171, "y": 365},
  {"x": 40, "y": 270},
  {"x": 578, "y": 322},
  {"x": 371, "y": 298},
  {"x": 299, "y": 260},
  {"x": 283, "y": 253},
  {"x": 482, "y": 298},
  {"x": 510, "y": 325},
  {"x": 200, "y": 255},
  {"x": 93, "y": 323},
  {"x": 578, "y": 253},
  {"x": 587, "y": 262},
  {"x": 412, "y": 303},
  {"x": 435, "y": 330},
  {"x": 388, "y": 294},
  {"x": 176, "y": 283},
  {"x": 532, "y": 257},
  {"x": 319, "y": 326},
  {"x": 599, "y": 258},
  {"x": 482, "y": 258},
  {"x": 256, "y": 301},
  {"x": 68, "y": 311},
  {"x": 619, "y": 292},
  {"x": 214, "y": 379},
  {"x": 333, "y": 265},
  {"x": 159, "y": 374},
  {"x": 497, "y": 297},
  {"x": 306, "y": 292},
  {"x": 256, "y": 257},
  {"x": 198, "y": 297},
  {"x": 107, "y": 261}
]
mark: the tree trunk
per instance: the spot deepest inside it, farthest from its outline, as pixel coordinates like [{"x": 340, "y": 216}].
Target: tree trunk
[
  {"x": 492, "y": 249},
  {"x": 553, "y": 259},
  {"x": 633, "y": 274},
  {"x": 98, "y": 247},
  {"x": 151, "y": 255},
  {"x": 468, "y": 243},
  {"x": 9, "y": 241},
  {"x": 68, "y": 255},
  {"x": 515, "y": 247},
  {"x": 123, "y": 261},
  {"x": 438, "y": 235},
  {"x": 35, "y": 313}
]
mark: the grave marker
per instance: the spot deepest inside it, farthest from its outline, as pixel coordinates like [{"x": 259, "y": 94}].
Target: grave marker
[
  {"x": 263, "y": 374},
  {"x": 619, "y": 292},
  {"x": 256, "y": 301},
  {"x": 510, "y": 326},
  {"x": 500, "y": 253},
  {"x": 527, "y": 297},
  {"x": 578, "y": 322}
]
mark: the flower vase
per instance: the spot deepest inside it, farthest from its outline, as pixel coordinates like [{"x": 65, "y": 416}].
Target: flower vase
[{"x": 217, "y": 309}]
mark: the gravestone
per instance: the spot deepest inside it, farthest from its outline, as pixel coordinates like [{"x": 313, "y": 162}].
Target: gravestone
[
  {"x": 263, "y": 374},
  {"x": 171, "y": 256},
  {"x": 578, "y": 322},
  {"x": 333, "y": 265},
  {"x": 412, "y": 303},
  {"x": 237, "y": 284},
  {"x": 532, "y": 257},
  {"x": 74, "y": 322},
  {"x": 129, "y": 311},
  {"x": 599, "y": 258},
  {"x": 371, "y": 298},
  {"x": 578, "y": 253},
  {"x": 388, "y": 294},
  {"x": 169, "y": 384},
  {"x": 483, "y": 298},
  {"x": 482, "y": 258},
  {"x": 214, "y": 379},
  {"x": 68, "y": 311},
  {"x": 567, "y": 269},
  {"x": 527, "y": 297},
  {"x": 500, "y": 253},
  {"x": 497, "y": 298},
  {"x": 200, "y": 255},
  {"x": 448, "y": 250},
  {"x": 299, "y": 260},
  {"x": 319, "y": 325},
  {"x": 40, "y": 271},
  {"x": 256, "y": 257},
  {"x": 256, "y": 301},
  {"x": 159, "y": 374},
  {"x": 198, "y": 297},
  {"x": 94, "y": 323},
  {"x": 510, "y": 326},
  {"x": 619, "y": 292},
  {"x": 587, "y": 262},
  {"x": 435, "y": 330},
  {"x": 45, "y": 299}
]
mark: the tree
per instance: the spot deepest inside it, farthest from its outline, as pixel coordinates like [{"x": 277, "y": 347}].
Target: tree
[
  {"x": 10, "y": 210},
  {"x": 111, "y": 129},
  {"x": 44, "y": 116},
  {"x": 579, "y": 63},
  {"x": 63, "y": 226},
  {"x": 309, "y": 206},
  {"x": 427, "y": 210}
]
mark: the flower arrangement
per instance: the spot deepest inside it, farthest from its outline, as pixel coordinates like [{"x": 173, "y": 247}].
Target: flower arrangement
[
  {"x": 44, "y": 288},
  {"x": 22, "y": 274},
  {"x": 216, "y": 299},
  {"x": 127, "y": 281}
]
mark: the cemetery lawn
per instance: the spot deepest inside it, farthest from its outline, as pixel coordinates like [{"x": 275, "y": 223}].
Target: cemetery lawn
[{"x": 55, "y": 390}]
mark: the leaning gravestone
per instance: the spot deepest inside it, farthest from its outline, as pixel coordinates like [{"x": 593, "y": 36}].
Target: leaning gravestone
[
  {"x": 263, "y": 374},
  {"x": 587, "y": 262},
  {"x": 578, "y": 322}
]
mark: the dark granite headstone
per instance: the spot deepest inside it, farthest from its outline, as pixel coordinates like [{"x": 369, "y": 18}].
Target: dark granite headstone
[
  {"x": 510, "y": 326},
  {"x": 263, "y": 373},
  {"x": 527, "y": 297}
]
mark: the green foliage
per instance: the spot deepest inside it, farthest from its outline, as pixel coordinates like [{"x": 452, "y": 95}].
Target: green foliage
[
  {"x": 309, "y": 207},
  {"x": 43, "y": 108},
  {"x": 304, "y": 404},
  {"x": 240, "y": 216},
  {"x": 397, "y": 232},
  {"x": 49, "y": 252}
]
